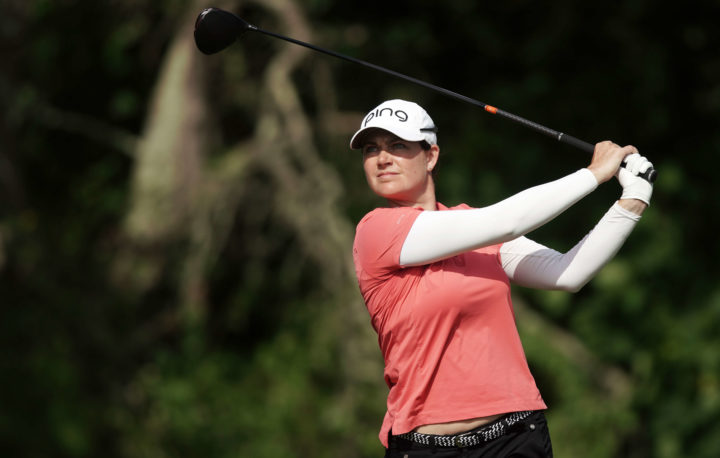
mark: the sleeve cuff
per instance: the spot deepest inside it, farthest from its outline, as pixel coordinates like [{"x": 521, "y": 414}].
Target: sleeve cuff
[
  {"x": 619, "y": 211},
  {"x": 589, "y": 177}
]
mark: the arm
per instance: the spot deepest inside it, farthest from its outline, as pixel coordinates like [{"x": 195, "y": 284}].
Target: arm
[
  {"x": 440, "y": 235},
  {"x": 437, "y": 235},
  {"x": 533, "y": 265}
]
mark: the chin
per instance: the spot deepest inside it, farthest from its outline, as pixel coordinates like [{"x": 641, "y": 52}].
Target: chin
[
  {"x": 396, "y": 197},
  {"x": 387, "y": 193}
]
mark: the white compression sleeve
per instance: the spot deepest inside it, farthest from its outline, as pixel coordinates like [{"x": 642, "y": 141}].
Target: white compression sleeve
[
  {"x": 438, "y": 235},
  {"x": 531, "y": 264}
]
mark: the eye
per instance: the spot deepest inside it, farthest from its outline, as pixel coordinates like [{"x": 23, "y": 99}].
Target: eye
[
  {"x": 399, "y": 145},
  {"x": 369, "y": 149}
]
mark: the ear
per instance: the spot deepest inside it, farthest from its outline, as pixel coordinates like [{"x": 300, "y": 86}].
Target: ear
[{"x": 432, "y": 155}]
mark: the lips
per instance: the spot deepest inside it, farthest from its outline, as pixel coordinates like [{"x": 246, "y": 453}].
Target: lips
[{"x": 386, "y": 174}]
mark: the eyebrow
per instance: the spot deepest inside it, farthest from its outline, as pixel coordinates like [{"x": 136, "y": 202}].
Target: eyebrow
[{"x": 389, "y": 138}]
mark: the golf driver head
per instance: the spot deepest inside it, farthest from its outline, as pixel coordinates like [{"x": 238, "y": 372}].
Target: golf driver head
[{"x": 216, "y": 29}]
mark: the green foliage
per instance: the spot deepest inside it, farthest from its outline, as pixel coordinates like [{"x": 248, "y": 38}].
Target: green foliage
[{"x": 91, "y": 368}]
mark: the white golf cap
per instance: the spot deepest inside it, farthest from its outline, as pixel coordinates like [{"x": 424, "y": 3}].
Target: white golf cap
[{"x": 407, "y": 120}]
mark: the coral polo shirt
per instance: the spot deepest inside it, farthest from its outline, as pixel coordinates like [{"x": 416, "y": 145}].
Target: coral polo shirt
[{"x": 446, "y": 330}]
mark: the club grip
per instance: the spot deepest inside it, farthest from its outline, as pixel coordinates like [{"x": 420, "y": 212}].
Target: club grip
[{"x": 649, "y": 175}]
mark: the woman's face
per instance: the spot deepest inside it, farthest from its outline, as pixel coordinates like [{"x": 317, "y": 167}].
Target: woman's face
[{"x": 399, "y": 170}]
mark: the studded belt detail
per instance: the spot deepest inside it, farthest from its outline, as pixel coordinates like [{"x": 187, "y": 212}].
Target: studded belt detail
[{"x": 478, "y": 436}]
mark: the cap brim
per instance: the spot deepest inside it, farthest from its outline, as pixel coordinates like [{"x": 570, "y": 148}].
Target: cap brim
[{"x": 356, "y": 142}]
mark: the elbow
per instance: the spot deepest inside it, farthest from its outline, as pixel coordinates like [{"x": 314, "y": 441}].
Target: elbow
[
  {"x": 572, "y": 285},
  {"x": 573, "y": 288},
  {"x": 573, "y": 280}
]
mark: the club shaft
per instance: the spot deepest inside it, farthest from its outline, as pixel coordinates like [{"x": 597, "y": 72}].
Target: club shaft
[
  {"x": 375, "y": 67},
  {"x": 649, "y": 175}
]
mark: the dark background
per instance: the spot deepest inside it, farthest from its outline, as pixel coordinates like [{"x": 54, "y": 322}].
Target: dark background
[{"x": 175, "y": 229}]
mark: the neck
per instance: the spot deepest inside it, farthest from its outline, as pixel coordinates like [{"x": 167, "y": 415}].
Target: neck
[{"x": 426, "y": 200}]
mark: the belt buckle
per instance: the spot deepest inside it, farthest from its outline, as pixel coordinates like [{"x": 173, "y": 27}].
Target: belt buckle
[{"x": 458, "y": 440}]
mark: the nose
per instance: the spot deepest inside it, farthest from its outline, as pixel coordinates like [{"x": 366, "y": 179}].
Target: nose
[{"x": 384, "y": 157}]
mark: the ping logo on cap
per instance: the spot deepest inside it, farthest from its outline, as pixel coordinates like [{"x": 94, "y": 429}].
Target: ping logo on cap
[{"x": 399, "y": 114}]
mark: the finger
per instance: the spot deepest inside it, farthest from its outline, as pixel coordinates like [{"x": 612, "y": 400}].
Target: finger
[
  {"x": 635, "y": 163},
  {"x": 638, "y": 164},
  {"x": 645, "y": 165},
  {"x": 605, "y": 145},
  {"x": 629, "y": 150},
  {"x": 624, "y": 176}
]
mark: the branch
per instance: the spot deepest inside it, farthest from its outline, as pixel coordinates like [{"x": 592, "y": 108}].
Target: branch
[
  {"x": 308, "y": 190},
  {"x": 86, "y": 126},
  {"x": 167, "y": 177},
  {"x": 24, "y": 103}
]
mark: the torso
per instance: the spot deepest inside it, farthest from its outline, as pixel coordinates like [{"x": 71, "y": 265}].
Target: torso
[
  {"x": 456, "y": 427},
  {"x": 446, "y": 330}
]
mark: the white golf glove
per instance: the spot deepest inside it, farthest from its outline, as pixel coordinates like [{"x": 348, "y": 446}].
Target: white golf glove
[{"x": 633, "y": 186}]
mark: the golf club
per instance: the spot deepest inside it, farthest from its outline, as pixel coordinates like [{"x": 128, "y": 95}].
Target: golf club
[{"x": 216, "y": 29}]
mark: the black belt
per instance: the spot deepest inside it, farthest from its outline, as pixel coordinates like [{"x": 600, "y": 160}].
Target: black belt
[{"x": 477, "y": 436}]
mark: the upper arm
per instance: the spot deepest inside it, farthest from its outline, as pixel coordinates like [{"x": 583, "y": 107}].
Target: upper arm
[
  {"x": 379, "y": 238},
  {"x": 439, "y": 235}
]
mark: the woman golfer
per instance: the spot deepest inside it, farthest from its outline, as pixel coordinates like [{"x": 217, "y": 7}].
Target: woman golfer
[{"x": 436, "y": 281}]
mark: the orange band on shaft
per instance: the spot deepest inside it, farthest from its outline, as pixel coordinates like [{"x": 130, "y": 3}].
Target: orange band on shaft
[{"x": 490, "y": 109}]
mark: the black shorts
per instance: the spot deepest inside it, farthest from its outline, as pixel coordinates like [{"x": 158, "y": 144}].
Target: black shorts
[{"x": 529, "y": 438}]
